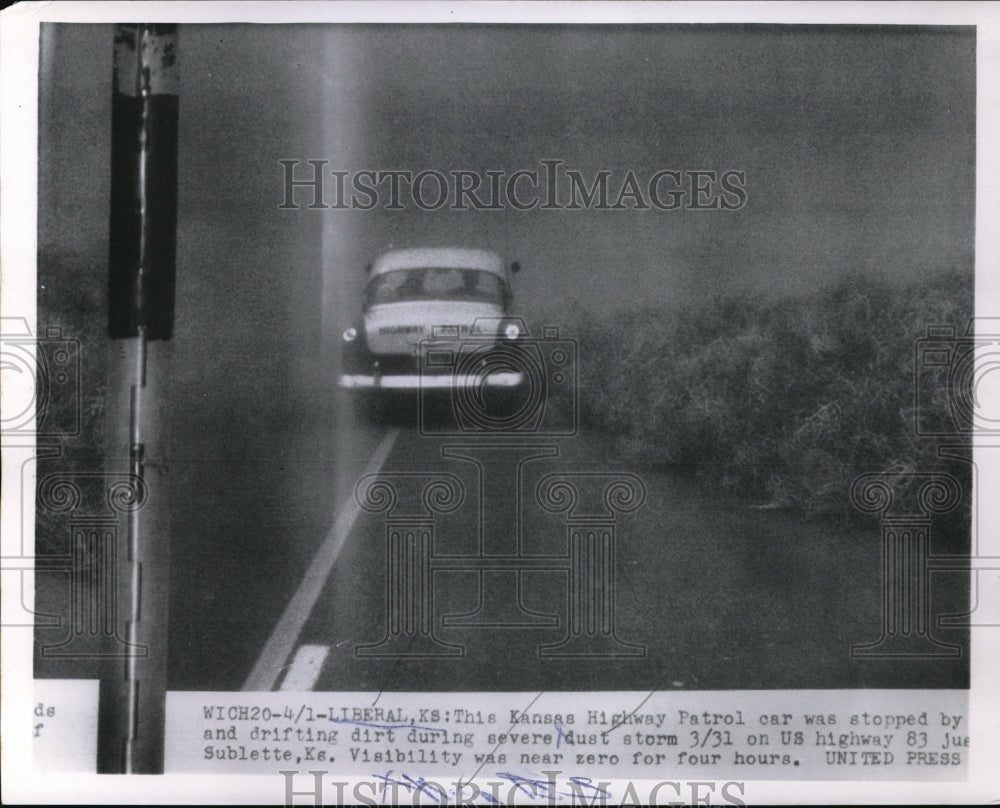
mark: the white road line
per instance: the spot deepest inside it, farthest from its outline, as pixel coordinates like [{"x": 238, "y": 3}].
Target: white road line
[
  {"x": 304, "y": 672},
  {"x": 282, "y": 640}
]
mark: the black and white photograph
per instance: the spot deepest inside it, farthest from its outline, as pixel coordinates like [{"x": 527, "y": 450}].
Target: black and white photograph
[{"x": 505, "y": 403}]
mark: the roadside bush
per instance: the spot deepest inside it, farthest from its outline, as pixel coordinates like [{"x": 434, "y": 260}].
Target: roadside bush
[{"x": 784, "y": 401}]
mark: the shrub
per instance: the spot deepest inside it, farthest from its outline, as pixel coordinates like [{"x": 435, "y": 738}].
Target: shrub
[{"x": 786, "y": 401}]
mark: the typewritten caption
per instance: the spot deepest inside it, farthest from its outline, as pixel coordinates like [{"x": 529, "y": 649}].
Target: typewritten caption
[{"x": 747, "y": 735}]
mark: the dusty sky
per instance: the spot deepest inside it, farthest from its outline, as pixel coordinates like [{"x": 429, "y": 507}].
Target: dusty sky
[{"x": 858, "y": 148}]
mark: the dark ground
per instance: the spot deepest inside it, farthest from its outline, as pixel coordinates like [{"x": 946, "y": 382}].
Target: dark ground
[{"x": 722, "y": 595}]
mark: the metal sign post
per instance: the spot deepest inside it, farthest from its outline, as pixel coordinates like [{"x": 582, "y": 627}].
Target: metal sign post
[{"x": 141, "y": 301}]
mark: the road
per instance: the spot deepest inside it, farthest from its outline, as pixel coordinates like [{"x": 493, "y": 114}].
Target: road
[{"x": 282, "y": 579}]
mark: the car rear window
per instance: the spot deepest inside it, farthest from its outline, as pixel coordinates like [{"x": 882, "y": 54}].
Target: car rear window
[{"x": 436, "y": 283}]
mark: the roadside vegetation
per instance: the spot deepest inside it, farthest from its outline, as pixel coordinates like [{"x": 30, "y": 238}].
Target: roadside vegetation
[
  {"x": 784, "y": 402},
  {"x": 71, "y": 311}
]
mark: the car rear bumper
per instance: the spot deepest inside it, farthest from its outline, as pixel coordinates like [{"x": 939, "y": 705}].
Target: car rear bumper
[{"x": 416, "y": 381}]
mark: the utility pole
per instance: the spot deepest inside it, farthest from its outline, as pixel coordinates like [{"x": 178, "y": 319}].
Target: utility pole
[{"x": 141, "y": 281}]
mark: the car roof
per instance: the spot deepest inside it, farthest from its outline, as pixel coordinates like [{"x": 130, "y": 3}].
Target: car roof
[{"x": 443, "y": 257}]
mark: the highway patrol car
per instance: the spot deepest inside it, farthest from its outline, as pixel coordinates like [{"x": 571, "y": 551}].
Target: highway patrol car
[{"x": 433, "y": 319}]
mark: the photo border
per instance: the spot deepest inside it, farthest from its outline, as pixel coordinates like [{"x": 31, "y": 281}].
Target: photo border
[{"x": 19, "y": 38}]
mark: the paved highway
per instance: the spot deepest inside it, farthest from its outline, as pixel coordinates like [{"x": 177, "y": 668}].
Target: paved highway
[{"x": 518, "y": 563}]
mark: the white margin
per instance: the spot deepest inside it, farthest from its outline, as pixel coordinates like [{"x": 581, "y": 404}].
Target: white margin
[{"x": 19, "y": 31}]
